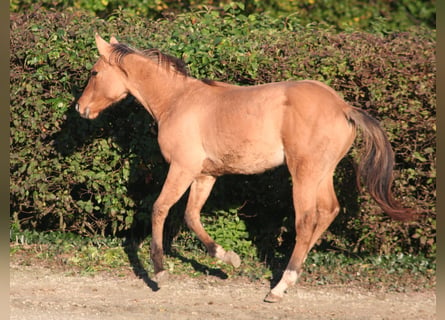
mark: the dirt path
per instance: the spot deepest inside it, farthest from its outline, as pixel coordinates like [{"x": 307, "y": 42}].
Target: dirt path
[{"x": 41, "y": 293}]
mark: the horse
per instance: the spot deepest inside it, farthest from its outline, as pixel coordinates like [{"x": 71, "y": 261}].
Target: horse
[{"x": 208, "y": 128}]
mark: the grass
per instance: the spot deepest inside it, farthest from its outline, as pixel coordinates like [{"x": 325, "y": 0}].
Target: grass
[{"x": 90, "y": 255}]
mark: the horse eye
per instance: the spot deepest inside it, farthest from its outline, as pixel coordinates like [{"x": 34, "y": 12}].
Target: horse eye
[{"x": 94, "y": 73}]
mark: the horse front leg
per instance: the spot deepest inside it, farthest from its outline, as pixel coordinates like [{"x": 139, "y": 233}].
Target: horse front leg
[
  {"x": 199, "y": 192},
  {"x": 177, "y": 182}
]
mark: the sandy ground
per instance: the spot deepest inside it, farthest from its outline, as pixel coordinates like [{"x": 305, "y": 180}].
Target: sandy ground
[{"x": 38, "y": 292}]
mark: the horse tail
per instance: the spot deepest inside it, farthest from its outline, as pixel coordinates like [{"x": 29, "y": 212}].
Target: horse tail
[{"x": 375, "y": 168}]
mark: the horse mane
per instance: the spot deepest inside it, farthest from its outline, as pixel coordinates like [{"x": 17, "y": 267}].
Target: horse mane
[{"x": 164, "y": 60}]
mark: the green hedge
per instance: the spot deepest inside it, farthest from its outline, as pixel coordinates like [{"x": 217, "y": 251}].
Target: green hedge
[
  {"x": 340, "y": 14},
  {"x": 102, "y": 176}
]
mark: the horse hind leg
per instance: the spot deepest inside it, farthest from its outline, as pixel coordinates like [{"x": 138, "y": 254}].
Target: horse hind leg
[
  {"x": 316, "y": 206},
  {"x": 199, "y": 192},
  {"x": 304, "y": 198},
  {"x": 327, "y": 208}
]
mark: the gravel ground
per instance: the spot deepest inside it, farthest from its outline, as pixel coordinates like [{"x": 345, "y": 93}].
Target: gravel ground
[{"x": 38, "y": 292}]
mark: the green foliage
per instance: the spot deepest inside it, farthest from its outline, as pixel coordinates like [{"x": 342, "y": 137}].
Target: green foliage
[
  {"x": 396, "y": 272},
  {"x": 339, "y": 14},
  {"x": 89, "y": 255},
  {"x": 102, "y": 176},
  {"x": 228, "y": 230}
]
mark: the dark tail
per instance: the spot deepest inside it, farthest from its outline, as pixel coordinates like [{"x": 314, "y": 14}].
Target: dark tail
[{"x": 375, "y": 169}]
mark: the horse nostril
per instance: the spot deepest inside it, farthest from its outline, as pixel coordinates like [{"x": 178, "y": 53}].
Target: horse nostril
[{"x": 85, "y": 112}]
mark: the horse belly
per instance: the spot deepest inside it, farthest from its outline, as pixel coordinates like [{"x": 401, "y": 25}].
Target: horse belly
[{"x": 244, "y": 162}]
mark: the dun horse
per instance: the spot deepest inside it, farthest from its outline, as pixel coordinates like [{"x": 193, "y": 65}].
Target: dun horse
[{"x": 207, "y": 129}]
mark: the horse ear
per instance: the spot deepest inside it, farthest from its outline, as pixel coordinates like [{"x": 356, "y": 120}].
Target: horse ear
[
  {"x": 103, "y": 47},
  {"x": 113, "y": 40}
]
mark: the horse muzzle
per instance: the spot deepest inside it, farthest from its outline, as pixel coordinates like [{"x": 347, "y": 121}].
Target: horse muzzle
[{"x": 85, "y": 113}]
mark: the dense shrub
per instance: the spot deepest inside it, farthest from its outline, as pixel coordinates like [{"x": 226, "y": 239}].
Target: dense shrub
[
  {"x": 102, "y": 176},
  {"x": 340, "y": 14}
]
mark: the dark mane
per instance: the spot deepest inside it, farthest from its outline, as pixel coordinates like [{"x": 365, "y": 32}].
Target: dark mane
[
  {"x": 120, "y": 51},
  {"x": 166, "y": 61}
]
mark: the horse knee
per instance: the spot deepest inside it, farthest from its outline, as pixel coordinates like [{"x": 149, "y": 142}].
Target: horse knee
[{"x": 159, "y": 214}]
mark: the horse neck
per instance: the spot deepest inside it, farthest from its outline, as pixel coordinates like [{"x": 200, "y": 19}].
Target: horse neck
[{"x": 152, "y": 85}]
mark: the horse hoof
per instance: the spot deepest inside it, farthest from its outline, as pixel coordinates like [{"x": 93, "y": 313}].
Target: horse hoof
[
  {"x": 232, "y": 258},
  {"x": 161, "y": 276},
  {"x": 272, "y": 298}
]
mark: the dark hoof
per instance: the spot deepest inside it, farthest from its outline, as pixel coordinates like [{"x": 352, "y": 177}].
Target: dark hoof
[{"x": 272, "y": 298}]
